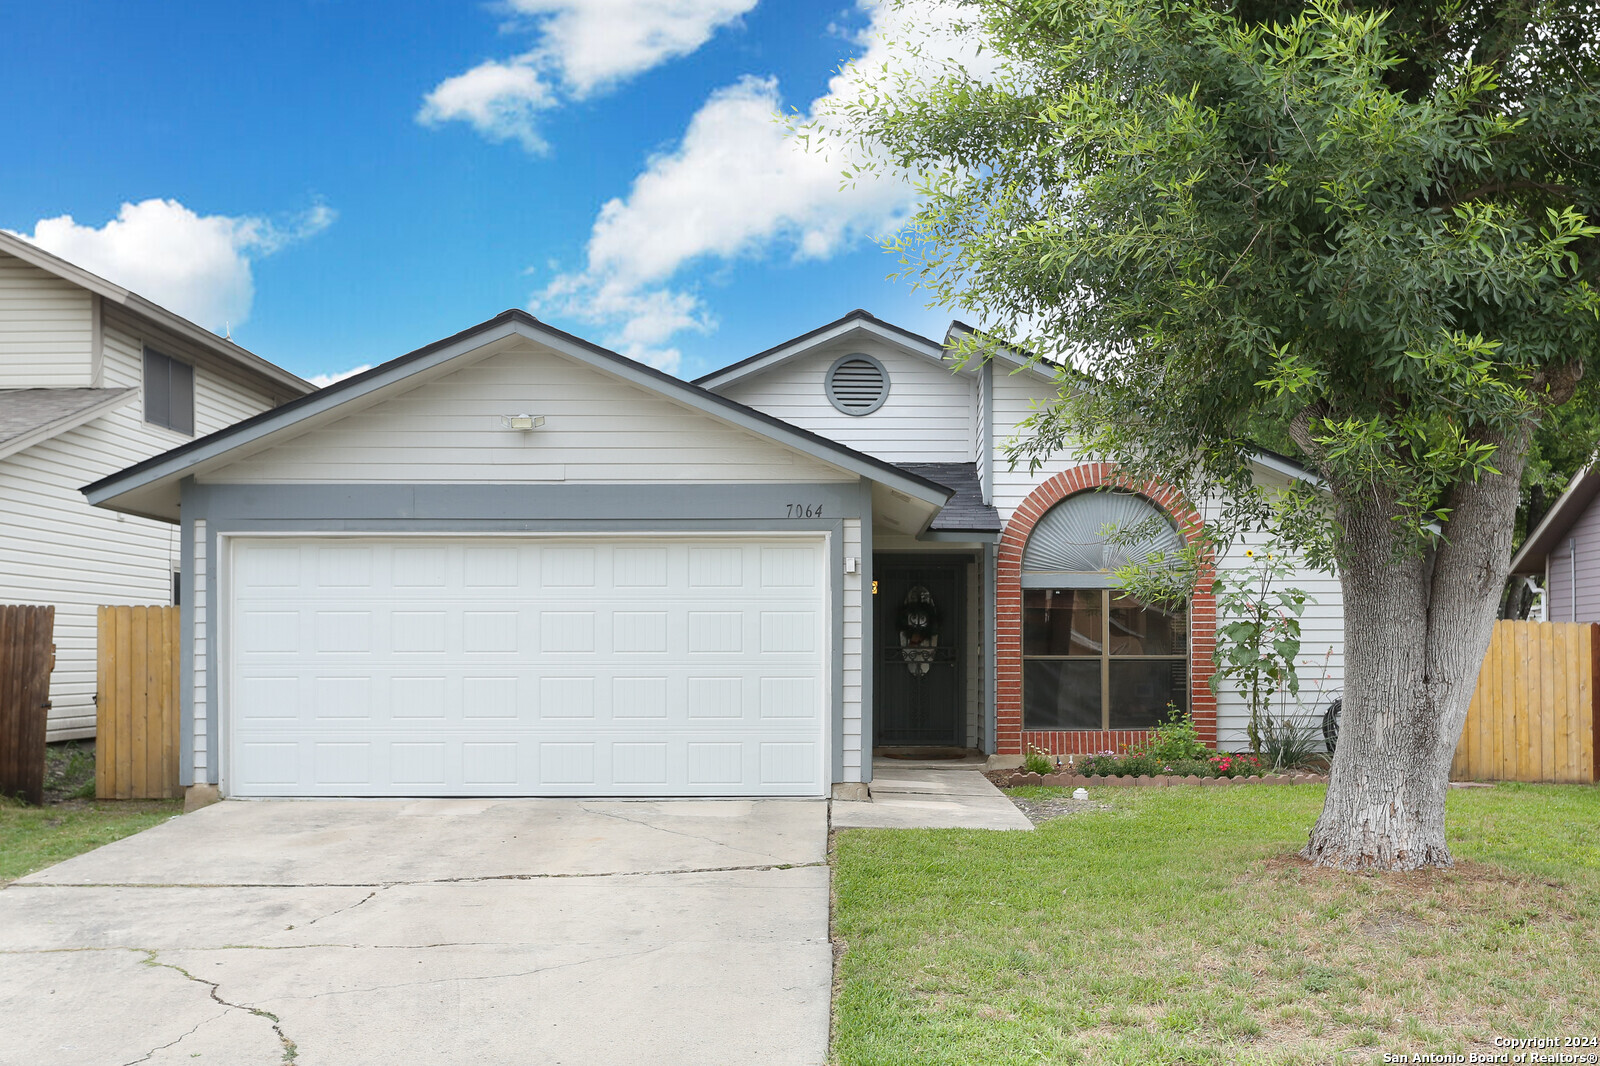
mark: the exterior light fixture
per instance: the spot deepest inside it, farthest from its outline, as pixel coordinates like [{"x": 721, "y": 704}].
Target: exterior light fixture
[{"x": 524, "y": 422}]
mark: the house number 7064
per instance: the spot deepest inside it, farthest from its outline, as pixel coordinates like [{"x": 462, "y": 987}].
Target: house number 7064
[{"x": 803, "y": 510}]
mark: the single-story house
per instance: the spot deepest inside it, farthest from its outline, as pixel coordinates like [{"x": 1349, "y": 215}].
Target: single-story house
[
  {"x": 1563, "y": 551},
  {"x": 94, "y": 378},
  {"x": 515, "y": 563}
]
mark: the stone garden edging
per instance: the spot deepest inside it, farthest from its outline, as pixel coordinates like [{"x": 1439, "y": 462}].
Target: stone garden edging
[{"x": 1013, "y": 778}]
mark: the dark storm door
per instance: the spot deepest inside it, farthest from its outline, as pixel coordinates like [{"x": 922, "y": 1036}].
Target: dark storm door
[{"x": 919, "y": 616}]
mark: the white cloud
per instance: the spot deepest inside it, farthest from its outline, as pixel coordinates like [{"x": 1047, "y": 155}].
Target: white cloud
[
  {"x": 738, "y": 186},
  {"x": 322, "y": 381},
  {"x": 593, "y": 44},
  {"x": 197, "y": 266},
  {"x": 500, "y": 100},
  {"x": 582, "y": 47}
]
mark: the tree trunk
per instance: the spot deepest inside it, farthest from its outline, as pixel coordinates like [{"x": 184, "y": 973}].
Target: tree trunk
[{"x": 1417, "y": 625}]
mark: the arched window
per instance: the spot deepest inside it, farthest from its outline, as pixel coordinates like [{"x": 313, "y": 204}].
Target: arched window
[{"x": 1094, "y": 657}]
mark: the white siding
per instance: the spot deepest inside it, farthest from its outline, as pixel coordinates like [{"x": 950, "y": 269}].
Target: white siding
[
  {"x": 929, "y": 416},
  {"x": 852, "y": 653},
  {"x": 46, "y": 329},
  {"x": 59, "y": 550},
  {"x": 1015, "y": 398},
  {"x": 1576, "y": 554},
  {"x": 597, "y": 429},
  {"x": 1320, "y": 663}
]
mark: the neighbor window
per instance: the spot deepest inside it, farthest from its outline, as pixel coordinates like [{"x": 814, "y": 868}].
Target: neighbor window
[
  {"x": 1100, "y": 659},
  {"x": 168, "y": 392}
]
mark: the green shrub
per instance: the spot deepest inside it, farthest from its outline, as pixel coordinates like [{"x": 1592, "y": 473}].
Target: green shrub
[
  {"x": 1108, "y": 764},
  {"x": 1037, "y": 762},
  {"x": 1287, "y": 744},
  {"x": 1186, "y": 767},
  {"x": 1105, "y": 764},
  {"x": 1175, "y": 740}
]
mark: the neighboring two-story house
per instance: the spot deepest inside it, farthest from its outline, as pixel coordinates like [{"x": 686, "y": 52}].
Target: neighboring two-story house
[
  {"x": 94, "y": 378},
  {"x": 1564, "y": 551},
  {"x": 515, "y": 563}
]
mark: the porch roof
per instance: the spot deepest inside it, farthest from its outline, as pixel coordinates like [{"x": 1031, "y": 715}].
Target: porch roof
[{"x": 966, "y": 512}]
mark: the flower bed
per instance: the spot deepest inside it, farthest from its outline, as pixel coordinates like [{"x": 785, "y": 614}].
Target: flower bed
[
  {"x": 1172, "y": 754},
  {"x": 1067, "y": 779}
]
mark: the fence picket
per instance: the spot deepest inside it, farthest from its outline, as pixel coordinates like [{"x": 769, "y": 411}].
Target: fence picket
[
  {"x": 1534, "y": 713},
  {"x": 26, "y": 659},
  {"x": 138, "y": 703}
]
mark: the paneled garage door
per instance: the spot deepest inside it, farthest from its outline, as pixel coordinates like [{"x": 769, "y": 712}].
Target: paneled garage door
[{"x": 527, "y": 667}]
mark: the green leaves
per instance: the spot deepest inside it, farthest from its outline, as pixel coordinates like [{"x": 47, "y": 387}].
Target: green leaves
[{"x": 1373, "y": 225}]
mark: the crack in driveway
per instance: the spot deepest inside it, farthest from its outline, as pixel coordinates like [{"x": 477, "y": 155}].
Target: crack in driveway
[
  {"x": 475, "y": 977},
  {"x": 146, "y": 1057},
  {"x": 381, "y": 885},
  {"x": 153, "y": 958},
  {"x": 663, "y": 829}
]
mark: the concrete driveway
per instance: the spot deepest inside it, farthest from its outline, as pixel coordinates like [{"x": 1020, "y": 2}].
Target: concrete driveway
[{"x": 334, "y": 933}]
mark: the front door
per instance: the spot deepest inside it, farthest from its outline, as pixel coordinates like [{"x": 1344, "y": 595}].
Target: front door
[{"x": 918, "y": 621}]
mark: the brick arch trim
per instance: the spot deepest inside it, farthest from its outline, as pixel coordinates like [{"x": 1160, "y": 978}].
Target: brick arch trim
[{"x": 1010, "y": 737}]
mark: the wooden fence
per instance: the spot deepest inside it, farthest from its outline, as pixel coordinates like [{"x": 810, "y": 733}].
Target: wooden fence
[
  {"x": 26, "y": 658},
  {"x": 136, "y": 746},
  {"x": 1535, "y": 714}
]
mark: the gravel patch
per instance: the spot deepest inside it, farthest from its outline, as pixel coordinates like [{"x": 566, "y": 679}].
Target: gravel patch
[{"x": 1039, "y": 811}]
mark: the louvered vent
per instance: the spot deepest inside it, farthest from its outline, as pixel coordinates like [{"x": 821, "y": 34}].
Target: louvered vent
[{"x": 858, "y": 385}]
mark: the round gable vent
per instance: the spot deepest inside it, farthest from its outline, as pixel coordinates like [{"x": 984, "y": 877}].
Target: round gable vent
[{"x": 857, "y": 384}]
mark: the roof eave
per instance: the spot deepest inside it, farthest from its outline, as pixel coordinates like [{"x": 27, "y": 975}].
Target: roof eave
[
  {"x": 796, "y": 346},
  {"x": 1579, "y": 493}
]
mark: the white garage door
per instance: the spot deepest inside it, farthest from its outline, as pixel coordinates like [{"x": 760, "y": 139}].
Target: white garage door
[{"x": 487, "y": 666}]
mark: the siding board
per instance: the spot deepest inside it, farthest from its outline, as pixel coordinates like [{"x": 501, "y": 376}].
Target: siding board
[
  {"x": 597, "y": 429},
  {"x": 46, "y": 329},
  {"x": 930, "y": 415}
]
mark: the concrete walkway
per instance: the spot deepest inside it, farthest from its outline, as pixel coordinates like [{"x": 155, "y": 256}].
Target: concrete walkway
[
  {"x": 930, "y": 795},
  {"x": 441, "y": 931}
]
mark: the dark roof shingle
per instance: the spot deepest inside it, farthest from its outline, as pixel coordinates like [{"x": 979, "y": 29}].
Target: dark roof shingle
[{"x": 966, "y": 512}]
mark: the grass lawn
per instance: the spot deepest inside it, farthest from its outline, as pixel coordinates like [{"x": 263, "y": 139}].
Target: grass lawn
[
  {"x": 1173, "y": 925},
  {"x": 71, "y": 821}
]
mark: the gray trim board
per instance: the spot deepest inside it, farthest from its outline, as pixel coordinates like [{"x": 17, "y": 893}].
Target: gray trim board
[
  {"x": 959, "y": 536},
  {"x": 991, "y": 682},
  {"x": 869, "y": 638},
  {"x": 186, "y": 653}
]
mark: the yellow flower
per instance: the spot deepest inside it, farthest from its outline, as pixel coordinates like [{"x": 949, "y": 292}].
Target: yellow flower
[{"x": 1249, "y": 553}]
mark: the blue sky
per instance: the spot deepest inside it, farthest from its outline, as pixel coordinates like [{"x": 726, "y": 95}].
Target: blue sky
[{"x": 340, "y": 182}]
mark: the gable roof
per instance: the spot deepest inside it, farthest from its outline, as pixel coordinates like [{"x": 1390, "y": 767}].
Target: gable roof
[
  {"x": 33, "y": 255},
  {"x": 856, "y": 321},
  {"x": 1558, "y": 521},
  {"x": 166, "y": 469},
  {"x": 29, "y": 416}
]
